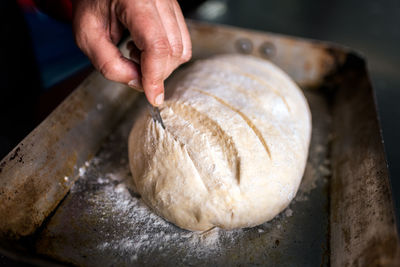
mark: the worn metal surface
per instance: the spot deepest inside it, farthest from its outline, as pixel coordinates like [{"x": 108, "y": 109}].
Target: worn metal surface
[
  {"x": 99, "y": 221},
  {"x": 363, "y": 231},
  {"x": 307, "y": 62},
  {"x": 36, "y": 175}
]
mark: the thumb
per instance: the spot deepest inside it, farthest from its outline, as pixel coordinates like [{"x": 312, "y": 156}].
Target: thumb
[{"x": 107, "y": 58}]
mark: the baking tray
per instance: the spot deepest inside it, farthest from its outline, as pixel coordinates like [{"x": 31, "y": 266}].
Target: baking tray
[{"x": 66, "y": 198}]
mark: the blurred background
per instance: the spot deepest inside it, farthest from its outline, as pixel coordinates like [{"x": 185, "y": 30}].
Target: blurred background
[{"x": 40, "y": 64}]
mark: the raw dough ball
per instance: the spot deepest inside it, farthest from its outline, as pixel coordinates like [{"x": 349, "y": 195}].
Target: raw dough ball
[{"x": 234, "y": 149}]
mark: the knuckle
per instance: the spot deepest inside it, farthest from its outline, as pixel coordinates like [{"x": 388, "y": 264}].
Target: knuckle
[
  {"x": 152, "y": 82},
  {"x": 160, "y": 47},
  {"x": 108, "y": 69},
  {"x": 177, "y": 49}
]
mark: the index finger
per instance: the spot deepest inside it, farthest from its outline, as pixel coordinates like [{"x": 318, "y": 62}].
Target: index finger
[{"x": 148, "y": 33}]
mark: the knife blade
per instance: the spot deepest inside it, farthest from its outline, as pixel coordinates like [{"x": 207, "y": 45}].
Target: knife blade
[{"x": 155, "y": 114}]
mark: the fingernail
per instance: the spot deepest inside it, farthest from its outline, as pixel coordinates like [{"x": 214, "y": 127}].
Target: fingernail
[
  {"x": 136, "y": 84},
  {"x": 159, "y": 99}
]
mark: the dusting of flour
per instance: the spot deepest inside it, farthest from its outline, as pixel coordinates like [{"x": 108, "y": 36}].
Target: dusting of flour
[
  {"x": 140, "y": 231},
  {"x": 123, "y": 226},
  {"x": 102, "y": 222}
]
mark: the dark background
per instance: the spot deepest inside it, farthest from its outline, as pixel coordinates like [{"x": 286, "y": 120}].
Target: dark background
[{"x": 50, "y": 65}]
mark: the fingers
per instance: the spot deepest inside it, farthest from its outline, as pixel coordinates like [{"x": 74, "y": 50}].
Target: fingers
[
  {"x": 171, "y": 27},
  {"x": 95, "y": 41},
  {"x": 185, "y": 36},
  {"x": 149, "y": 36},
  {"x": 106, "y": 58},
  {"x": 134, "y": 52},
  {"x": 160, "y": 41}
]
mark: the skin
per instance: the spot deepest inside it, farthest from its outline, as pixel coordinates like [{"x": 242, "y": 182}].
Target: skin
[{"x": 160, "y": 41}]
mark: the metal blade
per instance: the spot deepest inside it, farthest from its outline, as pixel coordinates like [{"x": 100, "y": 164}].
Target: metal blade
[{"x": 155, "y": 113}]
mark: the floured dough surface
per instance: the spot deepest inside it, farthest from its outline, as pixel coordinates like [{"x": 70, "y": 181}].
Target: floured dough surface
[{"x": 234, "y": 149}]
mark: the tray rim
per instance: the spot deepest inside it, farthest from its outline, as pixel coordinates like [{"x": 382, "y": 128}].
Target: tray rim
[{"x": 334, "y": 48}]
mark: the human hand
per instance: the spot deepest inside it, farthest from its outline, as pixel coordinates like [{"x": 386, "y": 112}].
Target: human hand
[{"x": 160, "y": 41}]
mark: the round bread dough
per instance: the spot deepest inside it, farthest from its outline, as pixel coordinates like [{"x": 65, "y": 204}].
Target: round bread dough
[{"x": 234, "y": 148}]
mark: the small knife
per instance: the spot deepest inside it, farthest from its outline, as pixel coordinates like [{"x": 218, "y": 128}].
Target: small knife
[{"x": 155, "y": 114}]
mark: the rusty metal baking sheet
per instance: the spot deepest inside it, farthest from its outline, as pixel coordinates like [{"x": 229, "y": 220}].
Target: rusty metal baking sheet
[
  {"x": 102, "y": 222},
  {"x": 341, "y": 216}
]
